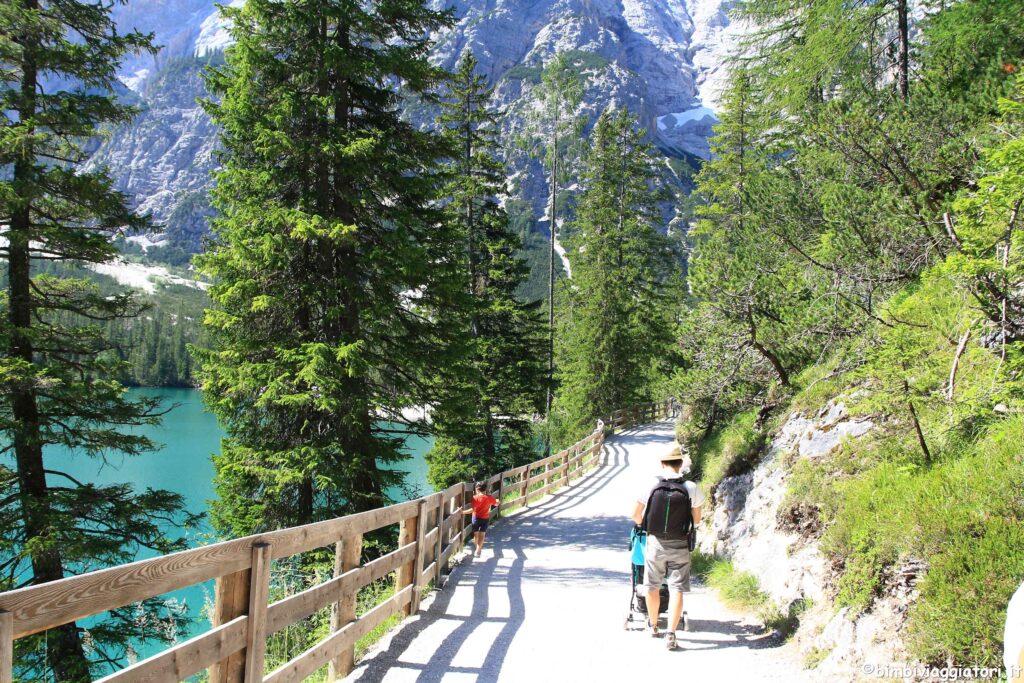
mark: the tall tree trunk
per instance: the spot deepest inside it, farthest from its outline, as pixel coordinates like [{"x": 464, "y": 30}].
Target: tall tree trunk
[
  {"x": 903, "y": 19},
  {"x": 489, "y": 446},
  {"x": 65, "y": 652},
  {"x": 357, "y": 439},
  {"x": 551, "y": 283}
]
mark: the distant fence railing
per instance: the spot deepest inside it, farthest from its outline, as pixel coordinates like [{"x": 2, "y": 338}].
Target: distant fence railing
[{"x": 430, "y": 530}]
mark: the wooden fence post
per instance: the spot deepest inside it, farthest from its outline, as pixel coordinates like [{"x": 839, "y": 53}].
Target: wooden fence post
[
  {"x": 347, "y": 556},
  {"x": 501, "y": 495},
  {"x": 231, "y": 600},
  {"x": 406, "y": 573},
  {"x": 421, "y": 552},
  {"x": 441, "y": 541},
  {"x": 259, "y": 597},
  {"x": 6, "y": 647}
]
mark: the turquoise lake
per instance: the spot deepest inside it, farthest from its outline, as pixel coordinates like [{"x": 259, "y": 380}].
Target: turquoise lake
[{"x": 189, "y": 435}]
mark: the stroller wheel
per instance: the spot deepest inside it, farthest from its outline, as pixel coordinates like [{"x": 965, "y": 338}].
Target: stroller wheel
[{"x": 625, "y": 624}]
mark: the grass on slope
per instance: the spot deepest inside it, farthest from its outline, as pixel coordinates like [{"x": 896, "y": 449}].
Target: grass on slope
[
  {"x": 728, "y": 451},
  {"x": 740, "y": 591}
]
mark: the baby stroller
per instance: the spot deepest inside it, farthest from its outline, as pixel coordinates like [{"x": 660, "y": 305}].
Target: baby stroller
[{"x": 637, "y": 602}]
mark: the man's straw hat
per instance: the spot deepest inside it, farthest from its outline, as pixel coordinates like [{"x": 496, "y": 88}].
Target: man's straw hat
[{"x": 671, "y": 456}]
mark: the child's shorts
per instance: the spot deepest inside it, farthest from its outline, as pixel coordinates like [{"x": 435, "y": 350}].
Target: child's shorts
[{"x": 479, "y": 525}]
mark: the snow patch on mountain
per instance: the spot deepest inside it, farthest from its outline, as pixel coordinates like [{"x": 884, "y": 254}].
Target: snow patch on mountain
[
  {"x": 698, "y": 115},
  {"x": 134, "y": 81},
  {"x": 213, "y": 32},
  {"x": 560, "y": 250},
  {"x": 691, "y": 128},
  {"x": 145, "y": 278}
]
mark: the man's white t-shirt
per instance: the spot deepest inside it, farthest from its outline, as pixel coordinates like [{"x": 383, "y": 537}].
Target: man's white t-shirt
[
  {"x": 696, "y": 495},
  {"x": 1013, "y": 635}
]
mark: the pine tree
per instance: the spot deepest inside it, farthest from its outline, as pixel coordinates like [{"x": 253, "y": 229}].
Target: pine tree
[
  {"x": 58, "y": 61},
  {"x": 332, "y": 259},
  {"x": 554, "y": 132},
  {"x": 809, "y": 49},
  {"x": 738, "y": 268},
  {"x": 617, "y": 321},
  {"x": 487, "y": 427}
]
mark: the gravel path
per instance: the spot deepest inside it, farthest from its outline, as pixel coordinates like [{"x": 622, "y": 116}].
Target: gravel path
[{"x": 547, "y": 601}]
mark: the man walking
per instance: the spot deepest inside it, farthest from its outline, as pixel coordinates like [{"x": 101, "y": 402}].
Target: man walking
[{"x": 667, "y": 512}]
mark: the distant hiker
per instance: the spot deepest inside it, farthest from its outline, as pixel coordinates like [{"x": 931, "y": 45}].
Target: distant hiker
[
  {"x": 1013, "y": 638},
  {"x": 481, "y": 505},
  {"x": 668, "y": 512}
]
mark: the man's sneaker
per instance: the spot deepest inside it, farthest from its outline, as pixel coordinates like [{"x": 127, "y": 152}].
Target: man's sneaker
[
  {"x": 670, "y": 640},
  {"x": 653, "y": 630}
]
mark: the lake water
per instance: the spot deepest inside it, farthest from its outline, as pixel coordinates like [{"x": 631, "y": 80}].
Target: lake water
[{"x": 189, "y": 435}]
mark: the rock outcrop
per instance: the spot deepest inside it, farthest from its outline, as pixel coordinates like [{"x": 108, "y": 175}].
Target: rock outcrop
[{"x": 751, "y": 527}]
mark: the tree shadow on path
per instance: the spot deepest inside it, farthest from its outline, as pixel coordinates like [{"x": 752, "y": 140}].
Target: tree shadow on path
[{"x": 467, "y": 648}]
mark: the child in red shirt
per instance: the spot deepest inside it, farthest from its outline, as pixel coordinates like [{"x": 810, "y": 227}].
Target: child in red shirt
[{"x": 481, "y": 505}]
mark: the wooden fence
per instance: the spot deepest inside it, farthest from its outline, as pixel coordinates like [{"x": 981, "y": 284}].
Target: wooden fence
[{"x": 430, "y": 530}]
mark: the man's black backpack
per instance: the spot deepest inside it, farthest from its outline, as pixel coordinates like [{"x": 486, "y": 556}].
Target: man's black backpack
[{"x": 667, "y": 515}]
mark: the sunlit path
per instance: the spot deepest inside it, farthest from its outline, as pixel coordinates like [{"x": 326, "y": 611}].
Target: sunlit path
[{"x": 548, "y": 599}]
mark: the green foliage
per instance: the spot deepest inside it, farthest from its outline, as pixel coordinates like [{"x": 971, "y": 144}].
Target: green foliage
[
  {"x": 534, "y": 253},
  {"x": 58, "y": 368},
  {"x": 583, "y": 61},
  {"x": 151, "y": 349},
  {"x": 962, "y": 609},
  {"x": 728, "y": 451},
  {"x": 486, "y": 424},
  {"x": 616, "y": 324},
  {"x": 525, "y": 72},
  {"x": 334, "y": 268},
  {"x": 961, "y": 515},
  {"x": 858, "y": 237},
  {"x": 815, "y": 656}
]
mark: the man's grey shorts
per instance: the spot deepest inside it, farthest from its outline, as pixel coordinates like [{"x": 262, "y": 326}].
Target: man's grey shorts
[{"x": 671, "y": 565}]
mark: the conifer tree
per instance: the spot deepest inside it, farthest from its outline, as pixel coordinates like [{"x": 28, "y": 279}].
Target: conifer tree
[
  {"x": 810, "y": 47},
  {"x": 58, "y": 63},
  {"x": 729, "y": 239},
  {"x": 487, "y": 427},
  {"x": 332, "y": 259},
  {"x": 617, "y": 320},
  {"x": 555, "y": 133}
]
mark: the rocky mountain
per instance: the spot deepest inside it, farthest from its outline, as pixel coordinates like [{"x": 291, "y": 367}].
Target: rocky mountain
[{"x": 660, "y": 58}]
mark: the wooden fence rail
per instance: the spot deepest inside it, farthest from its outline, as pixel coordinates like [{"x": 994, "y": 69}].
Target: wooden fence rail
[{"x": 430, "y": 530}]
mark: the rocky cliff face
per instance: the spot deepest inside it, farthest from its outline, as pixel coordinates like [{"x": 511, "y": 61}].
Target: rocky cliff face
[
  {"x": 164, "y": 158},
  {"x": 660, "y": 58},
  {"x": 752, "y": 527}
]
